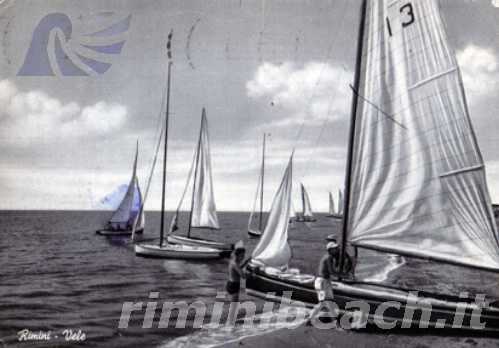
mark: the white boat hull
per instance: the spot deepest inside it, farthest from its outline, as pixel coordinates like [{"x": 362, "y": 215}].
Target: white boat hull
[
  {"x": 176, "y": 251},
  {"x": 175, "y": 239}
]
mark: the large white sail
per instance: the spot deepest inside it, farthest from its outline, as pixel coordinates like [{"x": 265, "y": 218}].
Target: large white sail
[
  {"x": 204, "y": 211},
  {"x": 418, "y": 179},
  {"x": 307, "y": 208},
  {"x": 332, "y": 210},
  {"x": 121, "y": 216},
  {"x": 273, "y": 249}
]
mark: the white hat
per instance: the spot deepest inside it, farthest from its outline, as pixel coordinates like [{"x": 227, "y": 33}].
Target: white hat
[
  {"x": 331, "y": 245},
  {"x": 239, "y": 246}
]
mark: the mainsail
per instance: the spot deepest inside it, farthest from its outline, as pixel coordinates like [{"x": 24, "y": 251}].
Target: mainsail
[
  {"x": 332, "y": 210},
  {"x": 122, "y": 216},
  {"x": 204, "y": 211},
  {"x": 137, "y": 208},
  {"x": 251, "y": 219},
  {"x": 418, "y": 183},
  {"x": 273, "y": 249},
  {"x": 259, "y": 193}
]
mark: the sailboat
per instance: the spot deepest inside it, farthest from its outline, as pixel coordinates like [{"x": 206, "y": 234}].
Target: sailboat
[
  {"x": 123, "y": 218},
  {"x": 306, "y": 215},
  {"x": 203, "y": 213},
  {"x": 419, "y": 190},
  {"x": 259, "y": 193},
  {"x": 335, "y": 213},
  {"x": 165, "y": 249}
]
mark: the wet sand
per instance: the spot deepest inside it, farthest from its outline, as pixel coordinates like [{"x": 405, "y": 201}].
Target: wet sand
[{"x": 304, "y": 336}]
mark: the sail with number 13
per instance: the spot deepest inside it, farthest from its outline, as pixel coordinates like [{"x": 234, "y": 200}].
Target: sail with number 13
[{"x": 415, "y": 183}]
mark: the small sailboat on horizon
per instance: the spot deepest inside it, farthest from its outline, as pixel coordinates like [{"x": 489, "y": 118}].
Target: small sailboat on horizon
[
  {"x": 165, "y": 249},
  {"x": 333, "y": 212},
  {"x": 122, "y": 221},
  {"x": 306, "y": 215},
  {"x": 257, "y": 232}
]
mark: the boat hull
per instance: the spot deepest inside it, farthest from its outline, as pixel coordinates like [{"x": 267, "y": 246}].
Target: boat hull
[
  {"x": 441, "y": 317},
  {"x": 175, "y": 239},
  {"x": 254, "y": 233},
  {"x": 335, "y": 216},
  {"x": 176, "y": 251},
  {"x": 304, "y": 219},
  {"x": 105, "y": 232}
]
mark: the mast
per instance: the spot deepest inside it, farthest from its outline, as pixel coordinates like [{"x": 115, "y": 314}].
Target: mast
[
  {"x": 303, "y": 200},
  {"x": 260, "y": 224},
  {"x": 167, "y": 115},
  {"x": 196, "y": 172},
  {"x": 346, "y": 200}
]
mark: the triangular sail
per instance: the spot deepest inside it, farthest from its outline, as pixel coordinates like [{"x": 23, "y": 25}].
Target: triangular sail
[
  {"x": 204, "y": 211},
  {"x": 252, "y": 226},
  {"x": 307, "y": 208},
  {"x": 136, "y": 210},
  {"x": 273, "y": 249},
  {"x": 332, "y": 209},
  {"x": 340, "y": 202},
  {"x": 258, "y": 194},
  {"x": 418, "y": 179},
  {"x": 121, "y": 217}
]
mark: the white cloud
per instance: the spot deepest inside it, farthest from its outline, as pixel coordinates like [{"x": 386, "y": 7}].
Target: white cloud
[
  {"x": 313, "y": 92},
  {"x": 29, "y": 117},
  {"x": 480, "y": 70}
]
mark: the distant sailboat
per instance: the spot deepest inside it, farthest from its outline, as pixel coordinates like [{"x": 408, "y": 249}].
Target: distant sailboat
[
  {"x": 122, "y": 221},
  {"x": 164, "y": 249},
  {"x": 333, "y": 212},
  {"x": 341, "y": 204},
  {"x": 415, "y": 182},
  {"x": 203, "y": 212},
  {"x": 306, "y": 215},
  {"x": 259, "y": 193}
]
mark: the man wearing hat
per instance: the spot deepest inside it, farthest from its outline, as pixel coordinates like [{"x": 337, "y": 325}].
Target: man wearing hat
[{"x": 329, "y": 269}]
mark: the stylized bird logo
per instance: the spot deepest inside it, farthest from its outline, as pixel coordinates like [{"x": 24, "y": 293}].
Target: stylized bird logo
[{"x": 52, "y": 52}]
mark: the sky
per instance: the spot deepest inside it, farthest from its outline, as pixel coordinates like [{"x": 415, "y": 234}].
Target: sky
[{"x": 279, "y": 67}]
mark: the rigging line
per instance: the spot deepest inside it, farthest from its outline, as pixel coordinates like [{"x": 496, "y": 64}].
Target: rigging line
[
  {"x": 378, "y": 108},
  {"x": 159, "y": 128},
  {"x": 323, "y": 127},
  {"x": 330, "y": 48},
  {"x": 189, "y": 176}
]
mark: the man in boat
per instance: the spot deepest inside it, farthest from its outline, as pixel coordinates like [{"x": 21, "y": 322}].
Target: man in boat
[
  {"x": 235, "y": 275},
  {"x": 329, "y": 269}
]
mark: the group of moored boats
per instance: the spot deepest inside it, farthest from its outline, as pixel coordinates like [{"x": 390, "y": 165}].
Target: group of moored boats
[{"x": 415, "y": 182}]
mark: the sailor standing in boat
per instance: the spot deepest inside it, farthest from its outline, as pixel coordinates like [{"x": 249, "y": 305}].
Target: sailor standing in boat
[
  {"x": 234, "y": 283},
  {"x": 329, "y": 269}
]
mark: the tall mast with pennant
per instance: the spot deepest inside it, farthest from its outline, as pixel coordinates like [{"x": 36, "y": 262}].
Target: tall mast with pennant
[{"x": 165, "y": 152}]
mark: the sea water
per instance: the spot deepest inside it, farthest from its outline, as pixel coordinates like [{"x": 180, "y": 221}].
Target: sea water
[{"x": 57, "y": 274}]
